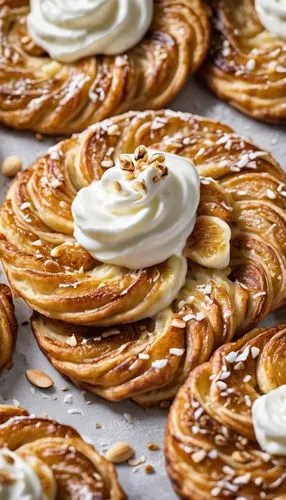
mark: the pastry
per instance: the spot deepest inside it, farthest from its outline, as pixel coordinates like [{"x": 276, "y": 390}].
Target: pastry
[
  {"x": 42, "y": 459},
  {"x": 130, "y": 332},
  {"x": 226, "y": 429},
  {"x": 8, "y": 327},
  {"x": 246, "y": 61},
  {"x": 52, "y": 96}
]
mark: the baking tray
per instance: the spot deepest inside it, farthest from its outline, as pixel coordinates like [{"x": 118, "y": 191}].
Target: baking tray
[{"x": 121, "y": 421}]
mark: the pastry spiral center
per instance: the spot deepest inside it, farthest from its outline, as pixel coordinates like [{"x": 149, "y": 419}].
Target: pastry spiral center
[
  {"x": 272, "y": 14},
  {"x": 70, "y": 29},
  {"x": 141, "y": 212},
  {"x": 269, "y": 421},
  {"x": 17, "y": 478}
]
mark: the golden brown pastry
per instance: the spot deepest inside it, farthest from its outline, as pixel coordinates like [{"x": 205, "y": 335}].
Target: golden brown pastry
[
  {"x": 243, "y": 191},
  {"x": 211, "y": 448},
  {"x": 246, "y": 62},
  {"x": 39, "y": 94},
  {"x": 43, "y": 459},
  {"x": 8, "y": 326}
]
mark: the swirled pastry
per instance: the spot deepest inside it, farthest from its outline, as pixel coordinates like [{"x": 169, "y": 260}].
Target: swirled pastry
[
  {"x": 211, "y": 447},
  {"x": 42, "y": 459},
  {"x": 246, "y": 62},
  {"x": 105, "y": 347},
  {"x": 43, "y": 95},
  {"x": 8, "y": 326}
]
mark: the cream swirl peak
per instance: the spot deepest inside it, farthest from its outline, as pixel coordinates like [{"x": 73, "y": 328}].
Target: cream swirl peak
[
  {"x": 18, "y": 480},
  {"x": 71, "y": 29},
  {"x": 141, "y": 212},
  {"x": 269, "y": 421},
  {"x": 272, "y": 14}
]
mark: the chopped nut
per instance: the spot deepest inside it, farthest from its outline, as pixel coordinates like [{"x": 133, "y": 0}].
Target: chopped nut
[
  {"x": 11, "y": 166},
  {"x": 51, "y": 266},
  {"x": 39, "y": 137},
  {"x": 120, "y": 452},
  {"x": 126, "y": 163},
  {"x": 39, "y": 379},
  {"x": 241, "y": 456},
  {"x": 71, "y": 341},
  {"x": 98, "y": 426},
  {"x": 149, "y": 469},
  {"x": 178, "y": 323},
  {"x": 117, "y": 186},
  {"x": 141, "y": 153},
  {"x": 153, "y": 446}
]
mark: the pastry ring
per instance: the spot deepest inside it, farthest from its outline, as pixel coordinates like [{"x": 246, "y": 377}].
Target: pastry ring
[
  {"x": 87, "y": 319},
  {"x": 211, "y": 448},
  {"x": 52, "y": 460},
  {"x": 246, "y": 63},
  {"x": 39, "y": 94}
]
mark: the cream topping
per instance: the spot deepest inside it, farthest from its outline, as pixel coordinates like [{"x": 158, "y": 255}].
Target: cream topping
[
  {"x": 272, "y": 14},
  {"x": 18, "y": 480},
  {"x": 71, "y": 29},
  {"x": 269, "y": 421},
  {"x": 141, "y": 212}
]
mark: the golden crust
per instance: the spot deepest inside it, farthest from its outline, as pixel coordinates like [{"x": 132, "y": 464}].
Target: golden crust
[
  {"x": 246, "y": 63},
  {"x": 39, "y": 94},
  {"x": 240, "y": 185},
  {"x": 210, "y": 446},
  {"x": 66, "y": 465},
  {"x": 8, "y": 326}
]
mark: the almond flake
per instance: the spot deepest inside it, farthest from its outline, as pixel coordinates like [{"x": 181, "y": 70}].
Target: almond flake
[
  {"x": 160, "y": 363},
  {"x": 178, "y": 323},
  {"x": 71, "y": 341},
  {"x": 39, "y": 379}
]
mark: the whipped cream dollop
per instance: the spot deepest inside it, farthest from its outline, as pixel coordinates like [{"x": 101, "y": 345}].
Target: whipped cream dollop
[
  {"x": 140, "y": 212},
  {"x": 71, "y": 29},
  {"x": 272, "y": 14},
  {"x": 18, "y": 480},
  {"x": 269, "y": 421}
]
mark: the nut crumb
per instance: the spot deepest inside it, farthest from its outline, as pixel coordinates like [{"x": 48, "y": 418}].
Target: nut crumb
[
  {"x": 149, "y": 469},
  {"x": 153, "y": 446}
]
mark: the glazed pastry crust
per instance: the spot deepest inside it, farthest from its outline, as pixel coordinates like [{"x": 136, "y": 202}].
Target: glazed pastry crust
[
  {"x": 240, "y": 185},
  {"x": 66, "y": 465},
  {"x": 42, "y": 95},
  {"x": 210, "y": 446},
  {"x": 246, "y": 63},
  {"x": 8, "y": 327}
]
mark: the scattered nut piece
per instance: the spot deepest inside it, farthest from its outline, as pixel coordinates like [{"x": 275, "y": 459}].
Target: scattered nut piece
[
  {"x": 39, "y": 379},
  {"x": 149, "y": 469},
  {"x": 153, "y": 446},
  {"x": 39, "y": 137},
  {"x": 120, "y": 452},
  {"x": 51, "y": 266},
  {"x": 11, "y": 165},
  {"x": 98, "y": 426}
]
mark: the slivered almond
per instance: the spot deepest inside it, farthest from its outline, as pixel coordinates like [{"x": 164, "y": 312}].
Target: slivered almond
[
  {"x": 120, "y": 452},
  {"x": 39, "y": 379}
]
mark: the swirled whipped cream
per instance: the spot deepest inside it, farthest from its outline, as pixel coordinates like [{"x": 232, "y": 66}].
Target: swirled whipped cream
[
  {"x": 71, "y": 29},
  {"x": 18, "y": 480},
  {"x": 141, "y": 212},
  {"x": 272, "y": 14},
  {"x": 269, "y": 421}
]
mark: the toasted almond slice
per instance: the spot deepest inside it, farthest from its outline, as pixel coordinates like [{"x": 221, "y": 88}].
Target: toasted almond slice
[
  {"x": 39, "y": 379},
  {"x": 120, "y": 452}
]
